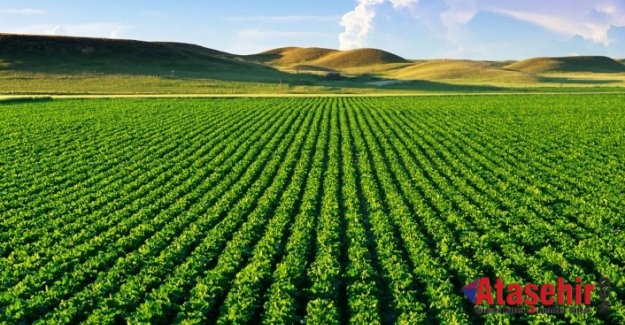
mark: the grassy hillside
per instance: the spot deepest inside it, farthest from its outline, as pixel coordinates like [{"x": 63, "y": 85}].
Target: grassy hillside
[
  {"x": 569, "y": 64},
  {"x": 461, "y": 69},
  {"x": 358, "y": 58},
  {"x": 76, "y": 55},
  {"x": 314, "y": 58},
  {"x": 60, "y": 65}
]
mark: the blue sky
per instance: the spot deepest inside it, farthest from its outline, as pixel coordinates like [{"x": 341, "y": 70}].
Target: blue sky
[{"x": 475, "y": 29}]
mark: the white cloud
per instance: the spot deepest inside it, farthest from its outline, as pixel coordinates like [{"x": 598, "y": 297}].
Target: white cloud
[
  {"x": 397, "y": 4},
  {"x": 589, "y": 19},
  {"x": 357, "y": 24},
  {"x": 23, "y": 11},
  {"x": 455, "y": 18},
  {"x": 448, "y": 19},
  {"x": 587, "y": 26},
  {"x": 590, "y": 30}
]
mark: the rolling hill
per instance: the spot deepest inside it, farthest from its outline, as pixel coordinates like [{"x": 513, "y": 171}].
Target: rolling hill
[
  {"x": 569, "y": 64},
  {"x": 72, "y": 55},
  {"x": 358, "y": 58},
  {"x": 460, "y": 69},
  {"x": 289, "y": 58},
  {"x": 289, "y": 55},
  {"x": 70, "y": 64}
]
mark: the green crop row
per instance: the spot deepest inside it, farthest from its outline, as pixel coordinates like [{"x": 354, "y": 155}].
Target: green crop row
[{"x": 330, "y": 210}]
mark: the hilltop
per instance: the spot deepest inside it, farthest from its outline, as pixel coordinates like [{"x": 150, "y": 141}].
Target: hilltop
[
  {"x": 322, "y": 59},
  {"x": 289, "y": 55}
]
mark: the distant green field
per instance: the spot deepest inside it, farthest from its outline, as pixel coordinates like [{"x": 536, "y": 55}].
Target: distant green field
[
  {"x": 25, "y": 83},
  {"x": 21, "y": 83},
  {"x": 323, "y": 210}
]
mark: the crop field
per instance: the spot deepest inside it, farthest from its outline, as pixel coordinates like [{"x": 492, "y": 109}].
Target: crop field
[{"x": 319, "y": 210}]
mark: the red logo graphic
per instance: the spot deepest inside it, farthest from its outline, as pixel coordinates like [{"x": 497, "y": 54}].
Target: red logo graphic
[{"x": 482, "y": 291}]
